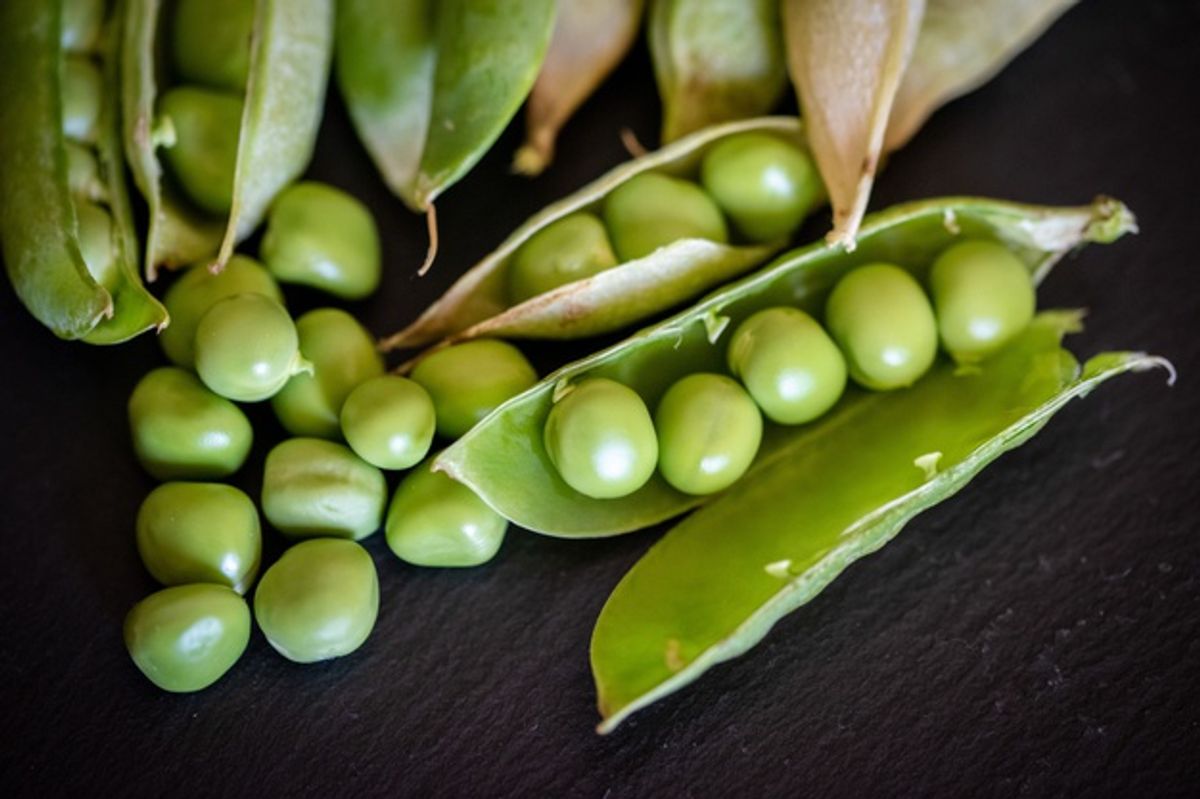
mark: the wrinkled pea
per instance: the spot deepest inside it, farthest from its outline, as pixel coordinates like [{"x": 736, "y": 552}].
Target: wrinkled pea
[
  {"x": 569, "y": 249},
  {"x": 82, "y": 93},
  {"x": 81, "y": 24},
  {"x": 319, "y": 600},
  {"x": 650, "y": 210},
  {"x": 247, "y": 348},
  {"x": 389, "y": 421},
  {"x": 96, "y": 243},
  {"x": 204, "y": 156},
  {"x": 186, "y": 637},
  {"x": 468, "y": 381},
  {"x": 983, "y": 296},
  {"x": 211, "y": 42},
  {"x": 709, "y": 430},
  {"x": 312, "y": 487}
]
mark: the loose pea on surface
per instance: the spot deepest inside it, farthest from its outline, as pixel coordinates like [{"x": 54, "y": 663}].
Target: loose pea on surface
[
  {"x": 200, "y": 533},
  {"x": 322, "y": 237},
  {"x": 82, "y": 95},
  {"x": 186, "y": 637},
  {"x": 788, "y": 363},
  {"x": 247, "y": 348},
  {"x": 204, "y": 156},
  {"x": 468, "y": 381},
  {"x": 389, "y": 421},
  {"x": 601, "y": 439},
  {"x": 181, "y": 430},
  {"x": 709, "y": 430},
  {"x": 649, "y": 211},
  {"x": 81, "y": 24},
  {"x": 96, "y": 243},
  {"x": 568, "y": 249},
  {"x": 210, "y": 42},
  {"x": 319, "y": 600},
  {"x": 983, "y": 296},
  {"x": 312, "y": 487},
  {"x": 884, "y": 325}
]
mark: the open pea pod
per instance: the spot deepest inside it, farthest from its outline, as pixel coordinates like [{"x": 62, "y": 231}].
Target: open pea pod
[
  {"x": 478, "y": 302},
  {"x": 69, "y": 244},
  {"x": 503, "y": 458}
]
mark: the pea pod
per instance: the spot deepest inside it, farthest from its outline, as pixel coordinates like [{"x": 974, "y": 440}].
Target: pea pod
[
  {"x": 502, "y": 457},
  {"x": 51, "y": 230},
  {"x": 478, "y": 303}
]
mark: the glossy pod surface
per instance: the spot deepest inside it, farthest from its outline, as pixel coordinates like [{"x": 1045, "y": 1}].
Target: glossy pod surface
[
  {"x": 313, "y": 488},
  {"x": 247, "y": 348},
  {"x": 467, "y": 381},
  {"x": 436, "y": 521},
  {"x": 389, "y": 422}
]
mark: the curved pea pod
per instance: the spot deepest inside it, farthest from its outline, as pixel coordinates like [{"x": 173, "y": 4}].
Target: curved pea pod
[
  {"x": 715, "y": 61},
  {"x": 478, "y": 303},
  {"x": 291, "y": 48},
  {"x": 715, "y": 584},
  {"x": 503, "y": 460},
  {"x": 41, "y": 220}
]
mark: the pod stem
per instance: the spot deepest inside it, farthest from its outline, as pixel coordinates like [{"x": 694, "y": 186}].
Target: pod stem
[{"x": 431, "y": 253}]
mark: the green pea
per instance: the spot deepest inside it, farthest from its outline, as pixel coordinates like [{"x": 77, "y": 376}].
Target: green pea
[
  {"x": 200, "y": 533},
  {"x": 389, "y": 421},
  {"x": 203, "y": 158},
  {"x": 788, "y": 363},
  {"x": 96, "y": 243},
  {"x": 323, "y": 237},
  {"x": 199, "y": 289},
  {"x": 247, "y": 348},
  {"x": 82, "y": 94},
  {"x": 882, "y": 321},
  {"x": 183, "y": 431},
  {"x": 319, "y": 600},
  {"x": 601, "y": 439},
  {"x": 83, "y": 173},
  {"x": 709, "y": 430},
  {"x": 312, "y": 487},
  {"x": 983, "y": 296},
  {"x": 186, "y": 637},
  {"x": 437, "y": 521},
  {"x": 81, "y": 24},
  {"x": 649, "y": 211},
  {"x": 468, "y": 381},
  {"x": 211, "y": 42},
  {"x": 568, "y": 249},
  {"x": 765, "y": 184},
  {"x": 342, "y": 354}
]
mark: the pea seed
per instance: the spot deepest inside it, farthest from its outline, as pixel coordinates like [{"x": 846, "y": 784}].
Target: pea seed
[
  {"x": 211, "y": 42},
  {"x": 81, "y": 24},
  {"x": 83, "y": 173},
  {"x": 247, "y": 348},
  {"x": 82, "y": 94},
  {"x": 649, "y": 211},
  {"x": 313, "y": 487},
  {"x": 96, "y": 243},
  {"x": 468, "y": 381},
  {"x": 569, "y": 249},
  {"x": 709, "y": 430},
  {"x": 204, "y": 157},
  {"x": 389, "y": 421},
  {"x": 983, "y": 296}
]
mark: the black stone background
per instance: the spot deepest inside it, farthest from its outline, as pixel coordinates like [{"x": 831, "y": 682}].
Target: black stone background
[{"x": 1034, "y": 635}]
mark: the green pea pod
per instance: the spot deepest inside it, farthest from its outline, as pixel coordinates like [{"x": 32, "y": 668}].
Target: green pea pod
[
  {"x": 503, "y": 459},
  {"x": 290, "y": 51},
  {"x": 39, "y": 217},
  {"x": 715, "y": 61},
  {"x": 478, "y": 303}
]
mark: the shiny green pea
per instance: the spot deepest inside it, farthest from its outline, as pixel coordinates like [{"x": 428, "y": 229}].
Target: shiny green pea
[
  {"x": 788, "y": 363},
  {"x": 765, "y": 184},
  {"x": 883, "y": 322},
  {"x": 183, "y": 431},
  {"x": 81, "y": 24},
  {"x": 983, "y": 296},
  {"x": 389, "y": 421},
  {"x": 247, "y": 348},
  {"x": 342, "y": 354},
  {"x": 82, "y": 93},
  {"x": 96, "y": 243},
  {"x": 323, "y": 237},
  {"x": 468, "y": 381},
  {"x": 199, "y": 289},
  {"x": 312, "y": 487},
  {"x": 568, "y": 249},
  {"x": 649, "y": 211},
  {"x": 204, "y": 156},
  {"x": 319, "y": 600},
  {"x": 437, "y": 521},
  {"x": 200, "y": 533},
  {"x": 709, "y": 430},
  {"x": 211, "y": 42},
  {"x": 83, "y": 173},
  {"x": 186, "y": 637},
  {"x": 601, "y": 439}
]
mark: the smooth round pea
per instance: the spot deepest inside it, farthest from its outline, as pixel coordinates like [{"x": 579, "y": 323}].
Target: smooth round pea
[
  {"x": 323, "y": 237},
  {"x": 200, "y": 533},
  {"x": 82, "y": 94},
  {"x": 788, "y": 363},
  {"x": 81, "y": 24},
  {"x": 312, "y": 487},
  {"x": 342, "y": 354},
  {"x": 649, "y": 211},
  {"x": 568, "y": 249},
  {"x": 186, "y": 637},
  {"x": 389, "y": 421},
  {"x": 211, "y": 42},
  {"x": 884, "y": 325},
  {"x": 319, "y": 600},
  {"x": 437, "y": 521},
  {"x": 83, "y": 173},
  {"x": 96, "y": 243},
  {"x": 765, "y": 184},
  {"x": 983, "y": 295},
  {"x": 204, "y": 156},
  {"x": 198, "y": 289},
  {"x": 709, "y": 430},
  {"x": 468, "y": 381},
  {"x": 247, "y": 348},
  {"x": 183, "y": 431},
  {"x": 601, "y": 439}
]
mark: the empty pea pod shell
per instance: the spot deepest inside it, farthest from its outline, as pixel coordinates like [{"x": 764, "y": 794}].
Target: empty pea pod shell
[{"x": 503, "y": 460}]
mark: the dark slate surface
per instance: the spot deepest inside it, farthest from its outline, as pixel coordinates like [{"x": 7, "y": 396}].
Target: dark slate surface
[{"x": 1035, "y": 635}]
